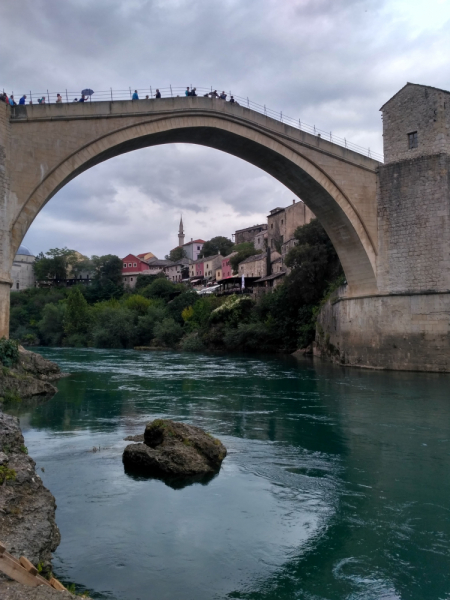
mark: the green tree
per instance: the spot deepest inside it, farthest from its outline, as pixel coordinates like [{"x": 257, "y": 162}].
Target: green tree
[
  {"x": 77, "y": 319},
  {"x": 109, "y": 267},
  {"x": 137, "y": 303},
  {"x": 53, "y": 264},
  {"x": 168, "y": 332},
  {"x": 217, "y": 245},
  {"x": 51, "y": 326},
  {"x": 164, "y": 289},
  {"x": 176, "y": 254},
  {"x": 243, "y": 250}
]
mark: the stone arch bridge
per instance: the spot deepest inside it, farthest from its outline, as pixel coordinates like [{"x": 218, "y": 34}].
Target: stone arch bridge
[{"x": 43, "y": 147}]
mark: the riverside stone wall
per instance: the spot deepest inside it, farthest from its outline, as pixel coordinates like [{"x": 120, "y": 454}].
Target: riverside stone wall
[{"x": 396, "y": 332}]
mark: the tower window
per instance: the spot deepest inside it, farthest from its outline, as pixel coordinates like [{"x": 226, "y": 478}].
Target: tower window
[{"x": 413, "y": 141}]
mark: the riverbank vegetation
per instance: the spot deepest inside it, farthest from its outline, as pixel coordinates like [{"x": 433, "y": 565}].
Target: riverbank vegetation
[{"x": 165, "y": 314}]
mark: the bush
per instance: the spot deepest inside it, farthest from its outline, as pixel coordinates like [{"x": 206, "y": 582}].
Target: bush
[
  {"x": 163, "y": 289},
  {"x": 192, "y": 343},
  {"x": 146, "y": 324},
  {"x": 176, "y": 307},
  {"x": 168, "y": 332},
  {"x": 51, "y": 326},
  {"x": 252, "y": 337},
  {"x": 9, "y": 352},
  {"x": 114, "y": 326},
  {"x": 137, "y": 303}
]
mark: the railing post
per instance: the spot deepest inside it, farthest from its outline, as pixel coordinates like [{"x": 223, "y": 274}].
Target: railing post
[
  {"x": 67, "y": 97},
  {"x": 248, "y": 101},
  {"x": 130, "y": 92},
  {"x": 265, "y": 110},
  {"x": 171, "y": 89},
  {"x": 314, "y": 130},
  {"x": 299, "y": 124},
  {"x": 345, "y": 142},
  {"x": 151, "y": 93},
  {"x": 281, "y": 116},
  {"x": 48, "y": 96},
  {"x": 31, "y": 98},
  {"x": 331, "y": 137},
  {"x": 110, "y": 89},
  {"x": 369, "y": 154}
]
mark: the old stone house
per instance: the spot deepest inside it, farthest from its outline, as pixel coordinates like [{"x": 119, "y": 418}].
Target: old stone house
[
  {"x": 256, "y": 265},
  {"x": 282, "y": 223},
  {"x": 22, "y": 271}
]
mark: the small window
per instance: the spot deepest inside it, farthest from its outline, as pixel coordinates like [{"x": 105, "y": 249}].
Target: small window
[
  {"x": 271, "y": 227},
  {"x": 129, "y": 264},
  {"x": 124, "y": 265},
  {"x": 131, "y": 279},
  {"x": 282, "y": 221},
  {"x": 125, "y": 279},
  {"x": 17, "y": 285},
  {"x": 134, "y": 264},
  {"x": 413, "y": 141}
]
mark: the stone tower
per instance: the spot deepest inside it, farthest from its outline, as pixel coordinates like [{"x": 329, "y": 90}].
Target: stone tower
[{"x": 181, "y": 233}]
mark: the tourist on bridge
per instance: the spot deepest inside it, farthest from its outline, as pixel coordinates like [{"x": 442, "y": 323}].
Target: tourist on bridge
[
  {"x": 4, "y": 97},
  {"x": 233, "y": 101},
  {"x": 187, "y": 92},
  {"x": 58, "y": 99},
  {"x": 22, "y": 100},
  {"x": 12, "y": 102},
  {"x": 193, "y": 92},
  {"x": 135, "y": 95},
  {"x": 223, "y": 96},
  {"x": 82, "y": 99},
  {"x": 158, "y": 93}
]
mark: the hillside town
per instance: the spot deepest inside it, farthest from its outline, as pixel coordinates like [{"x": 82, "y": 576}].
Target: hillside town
[{"x": 261, "y": 269}]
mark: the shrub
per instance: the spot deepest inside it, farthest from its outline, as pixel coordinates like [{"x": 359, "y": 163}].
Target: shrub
[
  {"x": 253, "y": 337},
  {"x": 77, "y": 318},
  {"x": 114, "y": 326},
  {"x": 51, "y": 326},
  {"x": 163, "y": 289},
  {"x": 6, "y": 474},
  {"x": 168, "y": 332},
  {"x": 9, "y": 352},
  {"x": 176, "y": 306},
  {"x": 145, "y": 325},
  {"x": 137, "y": 303},
  {"x": 192, "y": 343}
]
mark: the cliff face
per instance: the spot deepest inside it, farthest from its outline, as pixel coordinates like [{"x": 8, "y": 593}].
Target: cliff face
[
  {"x": 29, "y": 379},
  {"x": 27, "y": 508}
]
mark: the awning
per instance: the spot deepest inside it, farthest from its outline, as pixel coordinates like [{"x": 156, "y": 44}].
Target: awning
[{"x": 195, "y": 280}]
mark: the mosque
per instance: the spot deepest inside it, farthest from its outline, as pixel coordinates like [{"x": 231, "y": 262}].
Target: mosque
[{"x": 22, "y": 272}]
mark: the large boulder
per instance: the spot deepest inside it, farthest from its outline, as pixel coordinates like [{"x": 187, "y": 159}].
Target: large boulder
[{"x": 175, "y": 450}]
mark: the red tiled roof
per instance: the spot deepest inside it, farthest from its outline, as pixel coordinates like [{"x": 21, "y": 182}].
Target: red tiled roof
[{"x": 195, "y": 242}]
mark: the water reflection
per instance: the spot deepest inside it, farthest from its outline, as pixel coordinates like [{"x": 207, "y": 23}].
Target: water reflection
[{"x": 335, "y": 486}]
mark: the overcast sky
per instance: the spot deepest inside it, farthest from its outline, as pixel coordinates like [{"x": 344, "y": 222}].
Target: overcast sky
[{"x": 332, "y": 63}]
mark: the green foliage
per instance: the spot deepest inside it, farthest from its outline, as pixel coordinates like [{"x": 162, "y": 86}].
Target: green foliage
[
  {"x": 243, "y": 250},
  {"x": 114, "y": 325},
  {"x": 23, "y": 449},
  {"x": 137, "y": 303},
  {"x": 192, "y": 343},
  {"x": 54, "y": 264},
  {"x": 164, "y": 289},
  {"x": 9, "y": 352},
  {"x": 51, "y": 326},
  {"x": 176, "y": 306},
  {"x": 7, "y": 474},
  {"x": 144, "y": 331},
  {"x": 77, "y": 318},
  {"x": 217, "y": 245},
  {"x": 107, "y": 267},
  {"x": 11, "y": 397},
  {"x": 143, "y": 281},
  {"x": 233, "y": 311},
  {"x": 176, "y": 254},
  {"x": 251, "y": 337},
  {"x": 168, "y": 332}
]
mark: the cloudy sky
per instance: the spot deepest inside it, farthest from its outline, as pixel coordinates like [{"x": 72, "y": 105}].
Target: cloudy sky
[{"x": 332, "y": 63}]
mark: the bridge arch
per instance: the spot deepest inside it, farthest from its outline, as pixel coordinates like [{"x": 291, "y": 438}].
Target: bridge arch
[{"x": 291, "y": 163}]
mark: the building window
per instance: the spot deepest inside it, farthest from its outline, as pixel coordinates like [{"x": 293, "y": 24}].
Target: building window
[
  {"x": 271, "y": 226},
  {"x": 129, "y": 264},
  {"x": 282, "y": 221},
  {"x": 124, "y": 265},
  {"x": 198, "y": 247},
  {"x": 17, "y": 285},
  {"x": 125, "y": 279},
  {"x": 131, "y": 279},
  {"x": 134, "y": 264},
  {"x": 413, "y": 142}
]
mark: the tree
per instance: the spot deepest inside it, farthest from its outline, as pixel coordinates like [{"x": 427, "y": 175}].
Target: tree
[
  {"x": 54, "y": 264},
  {"x": 164, "y": 289},
  {"x": 77, "y": 317},
  {"x": 109, "y": 267},
  {"x": 176, "y": 254},
  {"x": 217, "y": 245},
  {"x": 243, "y": 250}
]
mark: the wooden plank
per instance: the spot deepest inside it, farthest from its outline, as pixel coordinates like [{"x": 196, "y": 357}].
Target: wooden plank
[
  {"x": 56, "y": 584},
  {"x": 12, "y": 568},
  {"x": 26, "y": 564}
]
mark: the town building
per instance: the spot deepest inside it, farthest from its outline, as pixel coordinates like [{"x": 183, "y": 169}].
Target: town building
[
  {"x": 248, "y": 234},
  {"x": 282, "y": 223},
  {"x": 146, "y": 256},
  {"x": 132, "y": 266},
  {"x": 178, "y": 270},
  {"x": 193, "y": 248},
  {"x": 196, "y": 270},
  {"x": 211, "y": 264},
  {"x": 22, "y": 271},
  {"x": 225, "y": 270}
]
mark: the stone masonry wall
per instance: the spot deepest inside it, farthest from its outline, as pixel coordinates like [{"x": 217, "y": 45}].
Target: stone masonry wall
[
  {"x": 416, "y": 108},
  {"x": 414, "y": 225}
]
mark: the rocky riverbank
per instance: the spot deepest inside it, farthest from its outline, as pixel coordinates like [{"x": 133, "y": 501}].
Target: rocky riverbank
[{"x": 27, "y": 508}]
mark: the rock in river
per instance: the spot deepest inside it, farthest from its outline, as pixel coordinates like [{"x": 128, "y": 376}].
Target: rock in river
[{"x": 172, "y": 449}]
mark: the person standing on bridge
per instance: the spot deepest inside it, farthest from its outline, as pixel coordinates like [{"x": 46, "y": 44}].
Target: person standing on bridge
[
  {"x": 223, "y": 96},
  {"x": 135, "y": 95},
  {"x": 158, "y": 93},
  {"x": 12, "y": 102},
  {"x": 22, "y": 100},
  {"x": 187, "y": 92},
  {"x": 58, "y": 99}
]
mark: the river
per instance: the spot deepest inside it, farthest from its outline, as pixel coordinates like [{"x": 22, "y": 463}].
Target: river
[{"x": 336, "y": 484}]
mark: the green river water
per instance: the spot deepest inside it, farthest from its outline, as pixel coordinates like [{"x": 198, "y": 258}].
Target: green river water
[{"x": 336, "y": 484}]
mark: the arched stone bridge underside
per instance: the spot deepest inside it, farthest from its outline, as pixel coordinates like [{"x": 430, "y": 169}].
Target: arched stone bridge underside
[{"x": 51, "y": 144}]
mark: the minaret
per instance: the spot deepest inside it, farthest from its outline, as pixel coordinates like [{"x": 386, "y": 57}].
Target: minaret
[{"x": 181, "y": 233}]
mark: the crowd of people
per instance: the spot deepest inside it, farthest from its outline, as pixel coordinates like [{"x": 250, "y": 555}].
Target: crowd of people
[{"x": 83, "y": 98}]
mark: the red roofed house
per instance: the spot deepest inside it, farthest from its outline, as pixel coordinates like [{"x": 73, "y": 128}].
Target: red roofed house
[
  {"x": 193, "y": 248},
  {"x": 132, "y": 266}
]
